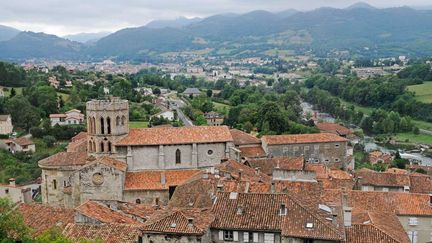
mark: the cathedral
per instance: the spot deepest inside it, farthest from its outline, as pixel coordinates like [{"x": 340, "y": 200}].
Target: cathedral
[{"x": 113, "y": 162}]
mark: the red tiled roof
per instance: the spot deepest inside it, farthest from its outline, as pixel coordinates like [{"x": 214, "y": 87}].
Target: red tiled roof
[
  {"x": 366, "y": 233},
  {"x": 151, "y": 180},
  {"x": 261, "y": 212},
  {"x": 57, "y": 115},
  {"x": 177, "y": 221},
  {"x": 267, "y": 165},
  {"x": 107, "y": 233},
  {"x": 100, "y": 212},
  {"x": 233, "y": 167},
  {"x": 302, "y": 138},
  {"x": 176, "y": 135},
  {"x": 333, "y": 128},
  {"x": 110, "y": 162},
  {"x": 252, "y": 151},
  {"x": 242, "y": 138},
  {"x": 420, "y": 183},
  {"x": 79, "y": 136},
  {"x": 65, "y": 159},
  {"x": 41, "y": 218},
  {"x": 369, "y": 177},
  {"x": 77, "y": 146},
  {"x": 400, "y": 203},
  {"x": 23, "y": 141}
]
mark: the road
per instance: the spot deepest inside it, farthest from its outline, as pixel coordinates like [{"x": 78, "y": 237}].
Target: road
[{"x": 176, "y": 104}]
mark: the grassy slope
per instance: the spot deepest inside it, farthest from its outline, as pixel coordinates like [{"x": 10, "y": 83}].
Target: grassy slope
[
  {"x": 138, "y": 124},
  {"x": 423, "y": 92},
  {"x": 410, "y": 137}
]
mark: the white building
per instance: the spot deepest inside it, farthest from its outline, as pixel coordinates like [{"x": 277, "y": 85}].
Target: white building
[
  {"x": 72, "y": 117},
  {"x": 6, "y": 126}
]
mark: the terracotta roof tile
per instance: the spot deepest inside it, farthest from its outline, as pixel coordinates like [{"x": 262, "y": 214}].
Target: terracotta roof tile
[
  {"x": 302, "y": 138},
  {"x": 333, "y": 128},
  {"x": 267, "y": 165},
  {"x": 77, "y": 146},
  {"x": 242, "y": 138},
  {"x": 57, "y": 115},
  {"x": 102, "y": 213},
  {"x": 65, "y": 159},
  {"x": 110, "y": 162},
  {"x": 23, "y": 141},
  {"x": 107, "y": 233},
  {"x": 41, "y": 218},
  {"x": 180, "y": 221},
  {"x": 151, "y": 180},
  {"x": 383, "y": 178},
  {"x": 251, "y": 211},
  {"x": 79, "y": 136},
  {"x": 252, "y": 151},
  {"x": 365, "y": 233},
  {"x": 176, "y": 135}
]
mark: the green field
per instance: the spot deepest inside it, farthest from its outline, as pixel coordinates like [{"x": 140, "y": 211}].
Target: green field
[
  {"x": 138, "y": 124},
  {"x": 423, "y": 92},
  {"x": 220, "y": 107},
  {"x": 413, "y": 138},
  {"x": 7, "y": 92}
]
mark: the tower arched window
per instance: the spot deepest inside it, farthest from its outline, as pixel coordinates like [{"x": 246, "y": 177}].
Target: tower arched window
[
  {"x": 178, "y": 156},
  {"x": 108, "y": 121},
  {"x": 93, "y": 125},
  {"x": 102, "y": 125},
  {"x": 94, "y": 146},
  {"x": 109, "y": 147},
  {"x": 102, "y": 147},
  {"x": 117, "y": 121},
  {"x": 123, "y": 120},
  {"x": 90, "y": 146}
]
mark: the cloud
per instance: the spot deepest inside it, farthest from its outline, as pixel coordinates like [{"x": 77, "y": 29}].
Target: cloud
[{"x": 63, "y": 17}]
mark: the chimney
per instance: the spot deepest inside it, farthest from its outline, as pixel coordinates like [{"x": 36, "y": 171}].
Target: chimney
[
  {"x": 240, "y": 174},
  {"x": 257, "y": 170},
  {"x": 272, "y": 187},
  {"x": 12, "y": 182},
  {"x": 157, "y": 202},
  {"x": 163, "y": 178},
  {"x": 334, "y": 218},
  {"x": 219, "y": 187},
  {"x": 205, "y": 175},
  {"x": 190, "y": 222},
  {"x": 347, "y": 211},
  {"x": 277, "y": 164}
]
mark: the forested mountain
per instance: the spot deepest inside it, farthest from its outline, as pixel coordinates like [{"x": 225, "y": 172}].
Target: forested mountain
[
  {"x": 176, "y": 23},
  {"x": 7, "y": 33},
  {"x": 360, "y": 28},
  {"x": 86, "y": 37},
  {"x": 39, "y": 45}
]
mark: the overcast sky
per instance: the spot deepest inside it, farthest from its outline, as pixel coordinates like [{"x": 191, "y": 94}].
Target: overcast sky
[{"x": 63, "y": 17}]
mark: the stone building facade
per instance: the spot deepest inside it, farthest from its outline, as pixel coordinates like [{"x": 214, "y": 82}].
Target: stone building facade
[{"x": 325, "y": 148}]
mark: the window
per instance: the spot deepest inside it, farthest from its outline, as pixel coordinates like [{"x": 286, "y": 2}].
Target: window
[
  {"x": 102, "y": 147},
  {"x": 7, "y": 191},
  {"x": 296, "y": 148},
  {"x": 337, "y": 145},
  {"x": 268, "y": 238},
  {"x": 306, "y": 148},
  {"x": 108, "y": 121},
  {"x": 228, "y": 235},
  {"x": 64, "y": 184},
  {"x": 102, "y": 125},
  {"x": 283, "y": 210},
  {"x": 412, "y": 235},
  {"x": 117, "y": 121},
  {"x": 336, "y": 160},
  {"x": 285, "y": 150},
  {"x": 109, "y": 146},
  {"x": 247, "y": 237},
  {"x": 54, "y": 184},
  {"x": 210, "y": 152},
  {"x": 385, "y": 189},
  {"x": 123, "y": 120},
  {"x": 413, "y": 221},
  {"x": 309, "y": 225},
  {"x": 138, "y": 201},
  {"x": 326, "y": 160},
  {"x": 255, "y": 237},
  {"x": 178, "y": 156}
]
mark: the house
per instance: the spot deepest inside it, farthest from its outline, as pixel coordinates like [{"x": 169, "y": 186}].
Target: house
[
  {"x": 269, "y": 217},
  {"x": 21, "y": 144},
  {"x": 334, "y": 128},
  {"x": 168, "y": 115},
  {"x": 327, "y": 148},
  {"x": 54, "y": 82},
  {"x": 378, "y": 157},
  {"x": 107, "y": 233},
  {"x": 246, "y": 145},
  {"x": 214, "y": 118},
  {"x": 17, "y": 194},
  {"x": 192, "y": 92},
  {"x": 393, "y": 180},
  {"x": 72, "y": 117},
  {"x": 179, "y": 225},
  {"x": 6, "y": 126},
  {"x": 413, "y": 210}
]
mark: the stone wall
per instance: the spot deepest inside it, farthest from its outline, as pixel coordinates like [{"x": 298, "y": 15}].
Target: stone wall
[
  {"x": 147, "y": 196},
  {"x": 422, "y": 229},
  {"x": 325, "y": 153},
  {"x": 162, "y": 238},
  {"x": 53, "y": 183},
  {"x": 218, "y": 236}
]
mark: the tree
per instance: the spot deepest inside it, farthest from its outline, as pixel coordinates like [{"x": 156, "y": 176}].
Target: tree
[
  {"x": 200, "y": 120},
  {"x": 49, "y": 140},
  {"x": 12, "y": 227},
  {"x": 156, "y": 91},
  {"x": 209, "y": 93},
  {"x": 12, "y": 93},
  {"x": 23, "y": 114}
]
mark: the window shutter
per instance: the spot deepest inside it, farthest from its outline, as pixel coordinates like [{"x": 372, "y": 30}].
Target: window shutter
[
  {"x": 245, "y": 236},
  {"x": 255, "y": 237},
  {"x": 221, "y": 235},
  {"x": 415, "y": 237},
  {"x": 235, "y": 235}
]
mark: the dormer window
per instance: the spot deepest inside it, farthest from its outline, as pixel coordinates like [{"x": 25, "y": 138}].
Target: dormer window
[
  {"x": 239, "y": 210},
  {"x": 309, "y": 225},
  {"x": 283, "y": 210}
]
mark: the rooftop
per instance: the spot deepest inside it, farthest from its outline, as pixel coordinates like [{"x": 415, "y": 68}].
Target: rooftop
[
  {"x": 176, "y": 135},
  {"x": 302, "y": 138},
  {"x": 333, "y": 128},
  {"x": 266, "y": 165},
  {"x": 107, "y": 233},
  {"x": 153, "y": 180},
  {"x": 242, "y": 138},
  {"x": 100, "y": 212}
]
